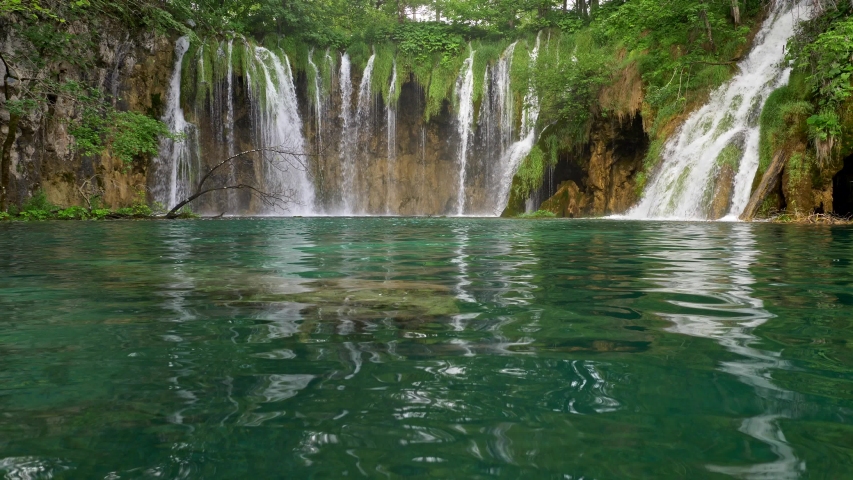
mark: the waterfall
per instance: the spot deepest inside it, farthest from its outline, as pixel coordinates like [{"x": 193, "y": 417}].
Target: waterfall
[
  {"x": 364, "y": 97},
  {"x": 356, "y": 143},
  {"x": 318, "y": 104},
  {"x": 229, "y": 106},
  {"x": 279, "y": 126},
  {"x": 464, "y": 119},
  {"x": 724, "y": 131},
  {"x": 252, "y": 104},
  {"x": 391, "y": 131},
  {"x": 229, "y": 119},
  {"x": 503, "y": 92},
  {"x": 173, "y": 165},
  {"x": 347, "y": 143},
  {"x": 517, "y": 152}
]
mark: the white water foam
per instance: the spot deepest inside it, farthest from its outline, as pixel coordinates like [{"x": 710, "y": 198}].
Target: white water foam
[{"x": 682, "y": 188}]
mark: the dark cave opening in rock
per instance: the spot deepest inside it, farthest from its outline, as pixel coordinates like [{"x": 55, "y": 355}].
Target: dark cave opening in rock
[
  {"x": 842, "y": 189},
  {"x": 627, "y": 144}
]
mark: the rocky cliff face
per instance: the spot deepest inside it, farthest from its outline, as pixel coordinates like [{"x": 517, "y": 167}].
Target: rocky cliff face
[
  {"x": 366, "y": 153},
  {"x": 134, "y": 69},
  {"x": 364, "y": 156},
  {"x": 598, "y": 180},
  {"x": 414, "y": 173}
]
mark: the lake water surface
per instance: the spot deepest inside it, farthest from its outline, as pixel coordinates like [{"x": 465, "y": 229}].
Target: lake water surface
[{"x": 425, "y": 348}]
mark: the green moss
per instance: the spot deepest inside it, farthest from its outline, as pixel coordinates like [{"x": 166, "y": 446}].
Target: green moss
[
  {"x": 312, "y": 75},
  {"x": 725, "y": 124},
  {"x": 736, "y": 103},
  {"x": 204, "y": 60},
  {"x": 709, "y": 78},
  {"x": 220, "y": 61},
  {"x": 782, "y": 121},
  {"x": 650, "y": 161},
  {"x": 530, "y": 173},
  {"x": 730, "y": 156},
  {"x": 769, "y": 205},
  {"x": 256, "y": 66},
  {"x": 327, "y": 64},
  {"x": 519, "y": 71},
  {"x": 297, "y": 52},
  {"x": 678, "y": 188},
  {"x": 189, "y": 66},
  {"x": 238, "y": 55},
  {"x": 486, "y": 53},
  {"x": 383, "y": 65},
  {"x": 442, "y": 78},
  {"x": 359, "y": 52},
  {"x": 799, "y": 167}
]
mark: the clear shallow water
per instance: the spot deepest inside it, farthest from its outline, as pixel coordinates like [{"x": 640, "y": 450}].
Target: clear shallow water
[{"x": 426, "y": 348}]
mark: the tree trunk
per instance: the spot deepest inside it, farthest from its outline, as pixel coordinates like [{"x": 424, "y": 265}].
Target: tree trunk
[
  {"x": 736, "y": 12},
  {"x": 593, "y": 6},
  {"x": 768, "y": 183},
  {"x": 566, "y": 6},
  {"x": 703, "y": 14},
  {"x": 6, "y": 161}
]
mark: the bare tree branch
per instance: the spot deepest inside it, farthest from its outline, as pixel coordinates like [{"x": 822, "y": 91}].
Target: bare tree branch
[{"x": 281, "y": 158}]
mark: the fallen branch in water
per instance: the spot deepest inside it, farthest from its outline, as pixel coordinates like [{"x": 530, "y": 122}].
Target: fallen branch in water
[{"x": 282, "y": 158}]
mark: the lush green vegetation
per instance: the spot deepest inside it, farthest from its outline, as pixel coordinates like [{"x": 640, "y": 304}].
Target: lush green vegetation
[
  {"x": 811, "y": 118},
  {"x": 822, "y": 55},
  {"x": 38, "y": 208},
  {"x": 597, "y": 61}
]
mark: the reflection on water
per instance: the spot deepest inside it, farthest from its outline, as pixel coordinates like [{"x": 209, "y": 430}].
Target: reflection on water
[
  {"x": 712, "y": 274},
  {"x": 444, "y": 348}
]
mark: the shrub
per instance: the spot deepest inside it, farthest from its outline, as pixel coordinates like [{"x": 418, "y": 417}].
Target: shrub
[
  {"x": 73, "y": 213},
  {"x": 38, "y": 202},
  {"x": 34, "y": 215},
  {"x": 100, "y": 213}
]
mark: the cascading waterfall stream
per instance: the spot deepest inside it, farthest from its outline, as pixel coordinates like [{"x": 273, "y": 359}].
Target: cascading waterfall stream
[
  {"x": 516, "y": 152},
  {"x": 362, "y": 119},
  {"x": 391, "y": 132},
  {"x": 464, "y": 119},
  {"x": 173, "y": 165},
  {"x": 246, "y": 97},
  {"x": 722, "y": 134},
  {"x": 347, "y": 144},
  {"x": 229, "y": 114},
  {"x": 318, "y": 104},
  {"x": 503, "y": 90},
  {"x": 280, "y": 127}
]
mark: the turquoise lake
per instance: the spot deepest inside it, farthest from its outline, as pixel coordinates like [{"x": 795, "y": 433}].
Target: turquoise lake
[{"x": 425, "y": 348}]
